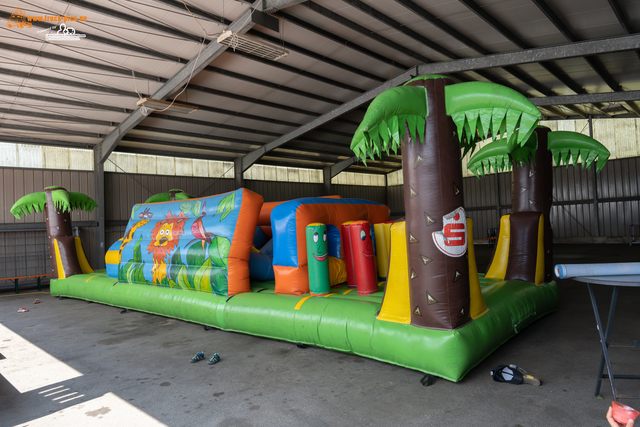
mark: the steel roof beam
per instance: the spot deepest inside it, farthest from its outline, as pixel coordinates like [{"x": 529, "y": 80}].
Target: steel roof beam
[
  {"x": 551, "y": 68},
  {"x": 362, "y": 30},
  {"x": 65, "y": 101},
  {"x": 342, "y": 41},
  {"x": 106, "y": 89},
  {"x": 622, "y": 19},
  {"x": 238, "y": 142},
  {"x": 203, "y": 89},
  {"x": 441, "y": 50},
  {"x": 160, "y": 55},
  {"x": 133, "y": 19},
  {"x": 82, "y": 104},
  {"x": 373, "y": 171},
  {"x": 202, "y": 156},
  {"x": 330, "y": 171},
  {"x": 205, "y": 14},
  {"x": 212, "y": 51},
  {"x": 534, "y": 55},
  {"x": 196, "y": 10},
  {"x": 318, "y": 57},
  {"x": 186, "y": 36},
  {"x": 273, "y": 5},
  {"x": 122, "y": 71},
  {"x": 588, "y": 98},
  {"x": 110, "y": 42},
  {"x": 187, "y": 144},
  {"x": 46, "y": 142},
  {"x": 593, "y": 62},
  {"x": 51, "y": 130},
  {"x": 260, "y": 82},
  {"x": 61, "y": 117},
  {"x": 497, "y": 60},
  {"x": 368, "y": 33},
  {"x": 126, "y": 72}
]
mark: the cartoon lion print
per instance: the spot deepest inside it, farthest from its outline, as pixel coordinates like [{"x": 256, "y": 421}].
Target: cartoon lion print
[{"x": 164, "y": 239}]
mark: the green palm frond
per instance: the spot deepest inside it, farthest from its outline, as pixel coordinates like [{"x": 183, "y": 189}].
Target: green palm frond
[
  {"x": 565, "y": 146},
  {"x": 383, "y": 126},
  {"x": 496, "y": 156},
  {"x": 478, "y": 109},
  {"x": 81, "y": 201},
  {"x": 28, "y": 204},
  {"x": 481, "y": 109},
  {"x": 63, "y": 200}
]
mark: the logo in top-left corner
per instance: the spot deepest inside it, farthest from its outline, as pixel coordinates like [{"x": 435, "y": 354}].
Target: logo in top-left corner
[
  {"x": 64, "y": 33},
  {"x": 18, "y": 19}
]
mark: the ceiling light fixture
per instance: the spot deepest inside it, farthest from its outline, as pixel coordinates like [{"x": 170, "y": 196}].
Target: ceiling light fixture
[
  {"x": 251, "y": 45},
  {"x": 158, "y": 104}
]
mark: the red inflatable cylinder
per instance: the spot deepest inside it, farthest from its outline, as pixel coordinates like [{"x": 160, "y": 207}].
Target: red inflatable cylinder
[
  {"x": 362, "y": 257},
  {"x": 347, "y": 257}
]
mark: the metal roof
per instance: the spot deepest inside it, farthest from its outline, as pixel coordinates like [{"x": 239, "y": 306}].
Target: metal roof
[{"x": 572, "y": 58}]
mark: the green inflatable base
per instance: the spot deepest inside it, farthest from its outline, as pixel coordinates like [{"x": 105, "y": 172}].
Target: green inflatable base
[{"x": 342, "y": 322}]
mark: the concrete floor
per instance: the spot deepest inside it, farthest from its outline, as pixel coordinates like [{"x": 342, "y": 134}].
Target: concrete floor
[{"x": 67, "y": 362}]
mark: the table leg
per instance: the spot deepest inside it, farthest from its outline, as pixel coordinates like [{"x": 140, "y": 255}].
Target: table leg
[{"x": 604, "y": 339}]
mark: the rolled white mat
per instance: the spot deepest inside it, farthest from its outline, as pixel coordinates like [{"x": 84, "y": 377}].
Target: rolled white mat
[{"x": 565, "y": 271}]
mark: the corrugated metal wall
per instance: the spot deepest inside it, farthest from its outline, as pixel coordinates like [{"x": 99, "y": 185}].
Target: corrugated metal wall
[
  {"x": 276, "y": 191},
  {"x": 573, "y": 214},
  {"x": 375, "y": 194},
  {"x": 23, "y": 251},
  {"x": 273, "y": 191},
  {"x": 122, "y": 191}
]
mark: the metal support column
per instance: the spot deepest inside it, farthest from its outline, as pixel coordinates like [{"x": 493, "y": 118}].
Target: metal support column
[
  {"x": 98, "y": 178},
  {"x": 595, "y": 184},
  {"x": 326, "y": 174},
  {"x": 238, "y": 173}
]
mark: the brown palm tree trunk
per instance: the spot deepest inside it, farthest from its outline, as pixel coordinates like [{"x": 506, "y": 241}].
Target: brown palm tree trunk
[
  {"x": 59, "y": 229},
  {"x": 439, "y": 283},
  {"x": 532, "y": 192}
]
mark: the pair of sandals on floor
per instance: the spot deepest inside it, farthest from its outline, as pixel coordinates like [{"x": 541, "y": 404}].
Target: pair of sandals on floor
[{"x": 200, "y": 356}]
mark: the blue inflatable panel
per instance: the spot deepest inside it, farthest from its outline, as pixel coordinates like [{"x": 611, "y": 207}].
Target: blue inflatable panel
[{"x": 283, "y": 224}]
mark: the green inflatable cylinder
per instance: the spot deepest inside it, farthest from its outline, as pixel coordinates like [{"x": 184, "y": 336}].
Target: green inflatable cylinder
[{"x": 318, "y": 259}]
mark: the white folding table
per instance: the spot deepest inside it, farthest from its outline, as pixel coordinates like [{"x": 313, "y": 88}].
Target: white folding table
[{"x": 617, "y": 282}]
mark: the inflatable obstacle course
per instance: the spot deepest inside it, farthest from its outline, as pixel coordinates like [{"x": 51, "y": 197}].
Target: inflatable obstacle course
[{"x": 435, "y": 313}]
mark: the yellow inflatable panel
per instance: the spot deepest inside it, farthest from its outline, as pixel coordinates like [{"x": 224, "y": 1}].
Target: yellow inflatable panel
[
  {"x": 113, "y": 256},
  {"x": 61, "y": 274},
  {"x": 540, "y": 254},
  {"x": 478, "y": 307},
  {"x": 337, "y": 271},
  {"x": 382, "y": 232},
  {"x": 498, "y": 267},
  {"x": 396, "y": 305},
  {"x": 82, "y": 258}
]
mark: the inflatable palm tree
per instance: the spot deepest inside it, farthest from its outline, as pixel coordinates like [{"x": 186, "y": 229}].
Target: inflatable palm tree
[
  {"x": 67, "y": 256},
  {"x": 532, "y": 193},
  {"x": 433, "y": 118},
  {"x": 172, "y": 195}
]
